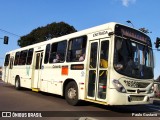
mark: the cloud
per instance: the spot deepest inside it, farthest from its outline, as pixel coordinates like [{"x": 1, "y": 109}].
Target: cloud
[{"x": 127, "y": 2}]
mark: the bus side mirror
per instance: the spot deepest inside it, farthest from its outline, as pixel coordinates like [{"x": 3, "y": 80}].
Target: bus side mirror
[{"x": 157, "y": 43}]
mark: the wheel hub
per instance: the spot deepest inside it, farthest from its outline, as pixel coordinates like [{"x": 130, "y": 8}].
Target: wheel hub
[{"x": 72, "y": 93}]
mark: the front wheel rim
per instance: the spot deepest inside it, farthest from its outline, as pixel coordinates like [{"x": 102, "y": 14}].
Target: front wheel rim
[{"x": 72, "y": 93}]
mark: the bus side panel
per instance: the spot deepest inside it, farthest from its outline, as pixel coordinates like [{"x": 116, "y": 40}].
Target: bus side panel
[
  {"x": 5, "y": 73},
  {"x": 24, "y": 73},
  {"x": 45, "y": 76},
  {"x": 51, "y": 80},
  {"x": 55, "y": 82}
]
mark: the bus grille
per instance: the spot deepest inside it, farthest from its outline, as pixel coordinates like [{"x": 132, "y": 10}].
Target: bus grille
[{"x": 134, "y": 84}]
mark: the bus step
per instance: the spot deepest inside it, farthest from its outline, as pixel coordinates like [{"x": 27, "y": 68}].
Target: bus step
[{"x": 35, "y": 89}]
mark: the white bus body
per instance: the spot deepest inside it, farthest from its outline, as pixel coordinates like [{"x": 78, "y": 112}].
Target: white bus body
[{"x": 90, "y": 79}]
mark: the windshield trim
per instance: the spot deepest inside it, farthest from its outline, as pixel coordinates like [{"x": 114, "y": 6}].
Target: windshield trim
[{"x": 142, "y": 43}]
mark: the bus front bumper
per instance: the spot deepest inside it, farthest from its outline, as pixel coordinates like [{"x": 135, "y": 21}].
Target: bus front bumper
[{"x": 117, "y": 98}]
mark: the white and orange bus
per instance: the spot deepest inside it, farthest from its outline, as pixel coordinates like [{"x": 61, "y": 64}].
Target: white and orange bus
[{"x": 110, "y": 64}]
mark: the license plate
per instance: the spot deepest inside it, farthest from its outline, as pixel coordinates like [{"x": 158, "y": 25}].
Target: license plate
[{"x": 137, "y": 98}]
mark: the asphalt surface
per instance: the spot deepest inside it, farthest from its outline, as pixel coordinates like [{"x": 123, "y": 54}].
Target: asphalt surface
[
  {"x": 25, "y": 103},
  {"x": 156, "y": 101}
]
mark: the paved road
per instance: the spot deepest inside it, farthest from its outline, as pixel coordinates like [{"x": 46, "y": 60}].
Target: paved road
[{"x": 53, "y": 107}]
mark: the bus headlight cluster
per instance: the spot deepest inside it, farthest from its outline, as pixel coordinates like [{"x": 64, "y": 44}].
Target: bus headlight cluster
[
  {"x": 151, "y": 89},
  {"x": 119, "y": 87}
]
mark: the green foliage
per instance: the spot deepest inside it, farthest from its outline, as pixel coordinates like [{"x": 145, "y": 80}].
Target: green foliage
[
  {"x": 45, "y": 33},
  {"x": 144, "y": 30}
]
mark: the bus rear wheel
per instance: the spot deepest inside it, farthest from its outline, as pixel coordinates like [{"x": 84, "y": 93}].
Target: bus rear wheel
[
  {"x": 17, "y": 83},
  {"x": 71, "y": 93}
]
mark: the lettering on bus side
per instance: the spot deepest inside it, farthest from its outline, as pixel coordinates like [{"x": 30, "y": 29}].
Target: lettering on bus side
[
  {"x": 56, "y": 66},
  {"x": 100, "y": 33}
]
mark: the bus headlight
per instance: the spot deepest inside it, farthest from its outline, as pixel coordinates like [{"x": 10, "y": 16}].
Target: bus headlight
[
  {"x": 151, "y": 89},
  {"x": 119, "y": 87}
]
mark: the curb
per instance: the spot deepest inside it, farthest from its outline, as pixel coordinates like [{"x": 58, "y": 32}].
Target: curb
[{"x": 87, "y": 118}]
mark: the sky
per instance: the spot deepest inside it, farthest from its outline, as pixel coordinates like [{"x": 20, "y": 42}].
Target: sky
[{"x": 20, "y": 17}]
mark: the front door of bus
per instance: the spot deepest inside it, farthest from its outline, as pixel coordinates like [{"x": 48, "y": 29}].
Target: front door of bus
[
  {"x": 37, "y": 69},
  {"x": 98, "y": 69}
]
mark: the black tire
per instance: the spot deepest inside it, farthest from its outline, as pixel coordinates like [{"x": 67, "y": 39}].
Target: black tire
[
  {"x": 17, "y": 83},
  {"x": 71, "y": 93}
]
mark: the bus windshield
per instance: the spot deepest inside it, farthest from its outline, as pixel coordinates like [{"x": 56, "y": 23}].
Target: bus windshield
[{"x": 133, "y": 59}]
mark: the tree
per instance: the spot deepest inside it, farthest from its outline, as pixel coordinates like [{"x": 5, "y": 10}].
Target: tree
[
  {"x": 45, "y": 33},
  {"x": 144, "y": 30}
]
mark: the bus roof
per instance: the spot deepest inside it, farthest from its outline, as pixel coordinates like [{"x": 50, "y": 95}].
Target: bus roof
[{"x": 109, "y": 25}]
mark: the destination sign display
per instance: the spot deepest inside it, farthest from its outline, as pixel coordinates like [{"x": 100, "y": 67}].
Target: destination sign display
[
  {"x": 131, "y": 33},
  {"x": 134, "y": 34}
]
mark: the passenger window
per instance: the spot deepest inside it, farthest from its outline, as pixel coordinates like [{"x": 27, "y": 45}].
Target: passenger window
[
  {"x": 77, "y": 49},
  {"x": 22, "y": 60},
  {"x": 6, "y": 63},
  {"x": 16, "y": 61},
  {"x": 58, "y": 51},
  {"x": 11, "y": 63},
  {"x": 29, "y": 57},
  {"x": 93, "y": 55},
  {"x": 46, "y": 59},
  {"x": 104, "y": 54}
]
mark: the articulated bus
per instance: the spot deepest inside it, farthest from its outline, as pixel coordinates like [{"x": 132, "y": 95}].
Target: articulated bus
[{"x": 110, "y": 64}]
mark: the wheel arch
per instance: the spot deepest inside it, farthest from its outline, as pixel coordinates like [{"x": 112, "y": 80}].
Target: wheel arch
[
  {"x": 17, "y": 78},
  {"x": 65, "y": 84},
  {"x": 17, "y": 82}
]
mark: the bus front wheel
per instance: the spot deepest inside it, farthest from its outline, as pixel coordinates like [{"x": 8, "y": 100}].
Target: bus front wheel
[{"x": 71, "y": 93}]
